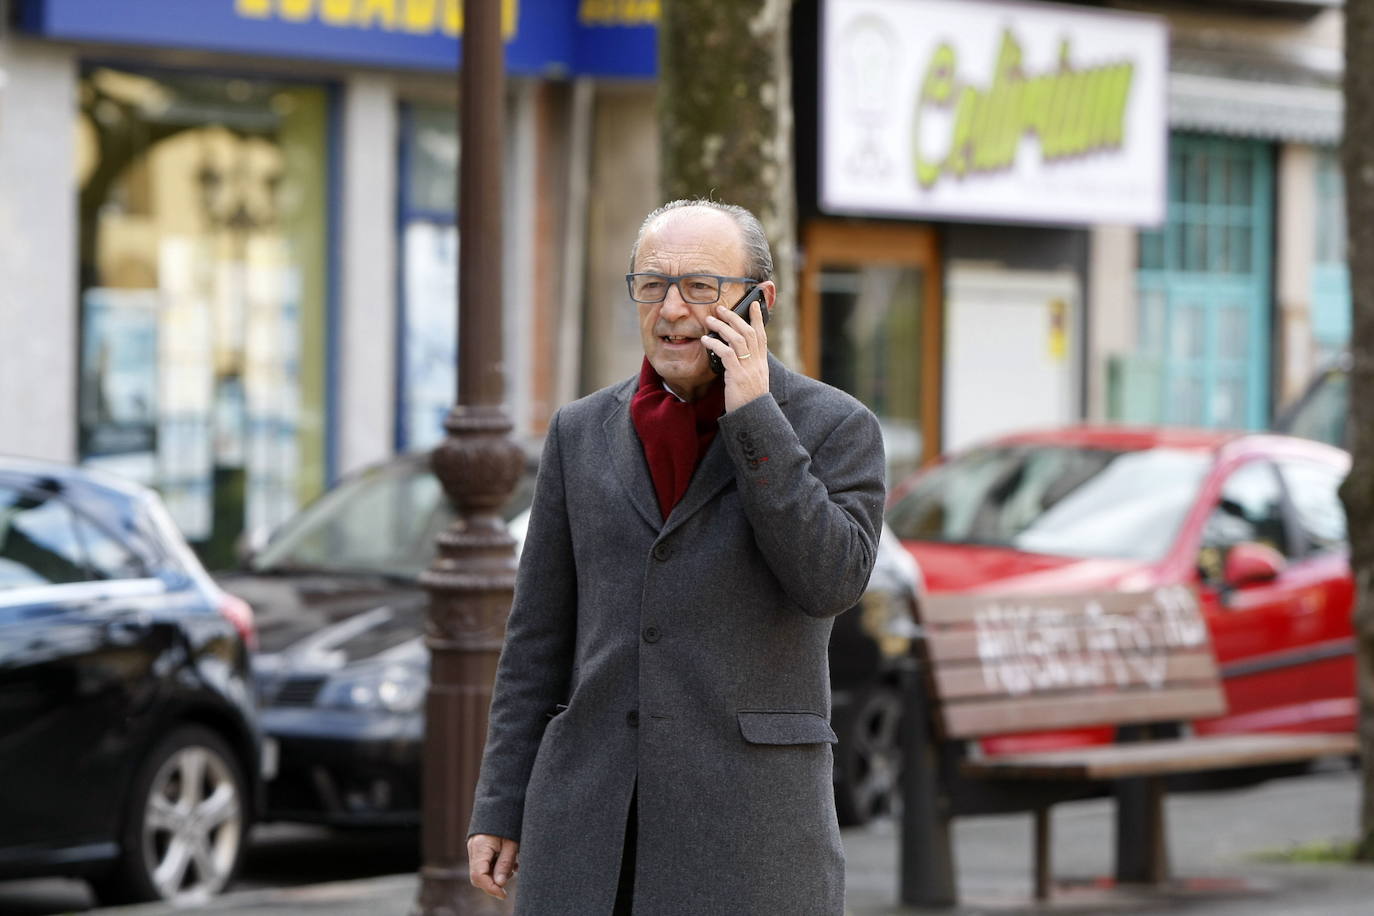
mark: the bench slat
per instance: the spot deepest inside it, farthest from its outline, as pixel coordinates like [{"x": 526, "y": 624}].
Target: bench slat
[
  {"x": 1162, "y": 757},
  {"x": 976, "y": 680},
  {"x": 947, "y": 609},
  {"x": 1040, "y": 712},
  {"x": 952, "y": 647}
]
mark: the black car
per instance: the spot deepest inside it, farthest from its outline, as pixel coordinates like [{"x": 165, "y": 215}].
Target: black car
[
  {"x": 343, "y": 670},
  {"x": 129, "y": 750}
]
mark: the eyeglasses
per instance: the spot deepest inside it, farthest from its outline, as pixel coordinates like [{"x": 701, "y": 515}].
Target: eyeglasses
[{"x": 698, "y": 289}]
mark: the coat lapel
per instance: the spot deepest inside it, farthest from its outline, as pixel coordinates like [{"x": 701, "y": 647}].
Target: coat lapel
[
  {"x": 627, "y": 458},
  {"x": 712, "y": 474}
]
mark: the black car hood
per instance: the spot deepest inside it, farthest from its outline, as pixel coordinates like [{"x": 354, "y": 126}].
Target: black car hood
[{"x": 298, "y": 612}]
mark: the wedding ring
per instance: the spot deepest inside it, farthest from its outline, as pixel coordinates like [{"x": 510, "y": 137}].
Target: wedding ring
[{"x": 746, "y": 356}]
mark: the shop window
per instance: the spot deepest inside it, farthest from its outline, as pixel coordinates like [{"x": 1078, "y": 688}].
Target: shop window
[
  {"x": 203, "y": 294},
  {"x": 870, "y": 343},
  {"x": 429, "y": 274}
]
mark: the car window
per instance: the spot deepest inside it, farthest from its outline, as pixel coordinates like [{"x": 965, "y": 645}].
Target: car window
[
  {"x": 374, "y": 523},
  {"x": 1249, "y": 509},
  {"x": 1315, "y": 492},
  {"x": 383, "y": 520},
  {"x": 107, "y": 557},
  {"x": 39, "y": 544},
  {"x": 1065, "y": 500}
]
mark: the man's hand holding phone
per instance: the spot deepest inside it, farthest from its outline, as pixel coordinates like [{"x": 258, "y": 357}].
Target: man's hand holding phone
[{"x": 738, "y": 341}]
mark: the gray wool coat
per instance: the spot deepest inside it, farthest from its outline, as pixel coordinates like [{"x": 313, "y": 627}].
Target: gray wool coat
[{"x": 683, "y": 659}]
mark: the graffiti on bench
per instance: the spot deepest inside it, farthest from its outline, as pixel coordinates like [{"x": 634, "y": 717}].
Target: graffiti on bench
[{"x": 1027, "y": 644}]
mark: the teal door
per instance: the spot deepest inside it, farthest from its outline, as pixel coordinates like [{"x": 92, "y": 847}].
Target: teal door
[{"x": 1204, "y": 284}]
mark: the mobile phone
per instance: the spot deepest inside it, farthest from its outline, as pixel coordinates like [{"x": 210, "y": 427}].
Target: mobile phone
[{"x": 741, "y": 308}]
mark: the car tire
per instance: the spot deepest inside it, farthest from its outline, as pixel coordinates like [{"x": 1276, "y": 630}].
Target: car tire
[
  {"x": 868, "y": 756},
  {"x": 186, "y": 825}
]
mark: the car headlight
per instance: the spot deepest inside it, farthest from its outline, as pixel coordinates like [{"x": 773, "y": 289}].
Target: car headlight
[
  {"x": 889, "y": 618},
  {"x": 392, "y": 688}
]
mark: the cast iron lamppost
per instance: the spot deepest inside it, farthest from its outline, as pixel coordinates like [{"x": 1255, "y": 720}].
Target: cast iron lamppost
[{"x": 473, "y": 577}]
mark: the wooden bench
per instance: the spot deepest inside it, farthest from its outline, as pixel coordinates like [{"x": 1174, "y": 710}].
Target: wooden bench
[{"x": 995, "y": 665}]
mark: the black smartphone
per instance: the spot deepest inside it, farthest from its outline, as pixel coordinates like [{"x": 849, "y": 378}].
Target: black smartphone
[{"x": 741, "y": 308}]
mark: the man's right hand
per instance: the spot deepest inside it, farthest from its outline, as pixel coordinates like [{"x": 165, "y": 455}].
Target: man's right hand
[{"x": 491, "y": 862}]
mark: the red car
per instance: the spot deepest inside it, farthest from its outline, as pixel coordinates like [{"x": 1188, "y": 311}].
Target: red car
[{"x": 1253, "y": 522}]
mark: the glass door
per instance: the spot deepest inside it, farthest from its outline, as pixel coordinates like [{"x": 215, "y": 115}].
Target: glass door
[{"x": 871, "y": 325}]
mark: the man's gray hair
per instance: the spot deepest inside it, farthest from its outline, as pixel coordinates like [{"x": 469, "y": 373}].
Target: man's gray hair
[{"x": 758, "y": 257}]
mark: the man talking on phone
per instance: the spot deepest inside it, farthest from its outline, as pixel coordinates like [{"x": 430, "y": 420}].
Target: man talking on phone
[{"x": 660, "y": 740}]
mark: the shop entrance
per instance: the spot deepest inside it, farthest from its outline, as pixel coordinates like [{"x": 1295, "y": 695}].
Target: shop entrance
[
  {"x": 871, "y": 325},
  {"x": 203, "y": 214}
]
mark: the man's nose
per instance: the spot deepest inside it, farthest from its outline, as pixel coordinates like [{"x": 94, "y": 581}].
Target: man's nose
[{"x": 674, "y": 306}]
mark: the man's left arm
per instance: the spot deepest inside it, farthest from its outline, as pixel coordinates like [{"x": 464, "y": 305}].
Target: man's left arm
[{"x": 816, "y": 517}]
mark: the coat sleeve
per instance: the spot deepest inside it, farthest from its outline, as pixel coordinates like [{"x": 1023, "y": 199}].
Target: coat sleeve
[
  {"x": 534, "y": 670},
  {"x": 816, "y": 517}
]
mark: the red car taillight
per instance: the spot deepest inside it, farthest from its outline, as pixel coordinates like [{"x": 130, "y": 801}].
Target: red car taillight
[{"x": 240, "y": 614}]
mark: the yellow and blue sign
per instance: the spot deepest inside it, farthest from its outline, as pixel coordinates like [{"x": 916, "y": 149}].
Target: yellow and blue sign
[{"x": 543, "y": 37}]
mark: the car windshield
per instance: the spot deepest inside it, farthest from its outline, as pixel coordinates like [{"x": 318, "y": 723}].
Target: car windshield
[
  {"x": 1071, "y": 501},
  {"x": 380, "y": 522}
]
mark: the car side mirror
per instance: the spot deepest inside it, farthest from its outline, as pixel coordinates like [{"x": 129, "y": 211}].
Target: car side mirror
[{"x": 1252, "y": 564}]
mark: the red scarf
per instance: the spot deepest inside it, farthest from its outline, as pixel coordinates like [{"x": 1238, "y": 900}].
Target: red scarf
[{"x": 675, "y": 434}]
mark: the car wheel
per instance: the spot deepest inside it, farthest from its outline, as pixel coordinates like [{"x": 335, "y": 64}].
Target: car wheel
[
  {"x": 185, "y": 827},
  {"x": 868, "y": 757}
]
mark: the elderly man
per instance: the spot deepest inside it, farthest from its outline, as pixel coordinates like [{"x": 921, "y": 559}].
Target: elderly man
[{"x": 659, "y": 739}]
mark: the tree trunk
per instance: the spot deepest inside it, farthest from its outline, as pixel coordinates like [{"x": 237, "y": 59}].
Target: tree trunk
[
  {"x": 725, "y": 123},
  {"x": 1358, "y": 490}
]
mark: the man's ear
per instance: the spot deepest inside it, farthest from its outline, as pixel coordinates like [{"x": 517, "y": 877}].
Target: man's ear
[{"x": 770, "y": 293}]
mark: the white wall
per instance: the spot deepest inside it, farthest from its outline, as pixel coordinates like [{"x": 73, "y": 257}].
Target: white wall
[
  {"x": 624, "y": 188},
  {"x": 1011, "y": 351},
  {"x": 1296, "y": 248},
  {"x": 1112, "y": 297},
  {"x": 38, "y": 314},
  {"x": 366, "y": 373}
]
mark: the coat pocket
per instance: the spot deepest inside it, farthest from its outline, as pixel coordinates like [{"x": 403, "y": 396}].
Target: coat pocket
[{"x": 766, "y": 726}]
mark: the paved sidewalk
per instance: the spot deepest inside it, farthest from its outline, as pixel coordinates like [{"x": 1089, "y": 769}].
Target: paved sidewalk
[{"x": 1216, "y": 841}]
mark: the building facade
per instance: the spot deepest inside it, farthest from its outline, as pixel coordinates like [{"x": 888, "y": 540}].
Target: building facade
[{"x": 228, "y": 242}]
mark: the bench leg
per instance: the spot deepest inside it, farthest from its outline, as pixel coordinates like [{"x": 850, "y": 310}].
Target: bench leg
[
  {"x": 1142, "y": 855},
  {"x": 927, "y": 855},
  {"x": 1042, "y": 853}
]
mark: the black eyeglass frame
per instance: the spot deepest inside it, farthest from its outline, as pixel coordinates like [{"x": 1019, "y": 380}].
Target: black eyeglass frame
[{"x": 677, "y": 281}]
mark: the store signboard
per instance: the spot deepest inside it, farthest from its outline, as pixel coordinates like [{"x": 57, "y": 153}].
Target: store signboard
[
  {"x": 592, "y": 37},
  {"x": 988, "y": 111}
]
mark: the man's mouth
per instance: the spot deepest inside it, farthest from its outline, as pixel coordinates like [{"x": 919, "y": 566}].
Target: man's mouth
[{"x": 676, "y": 338}]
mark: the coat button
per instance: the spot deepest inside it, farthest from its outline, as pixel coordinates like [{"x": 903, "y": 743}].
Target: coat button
[
  {"x": 662, "y": 551},
  {"x": 632, "y": 718},
  {"x": 651, "y": 634}
]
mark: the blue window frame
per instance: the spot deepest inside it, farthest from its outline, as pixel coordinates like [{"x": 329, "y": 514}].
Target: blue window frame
[{"x": 1204, "y": 284}]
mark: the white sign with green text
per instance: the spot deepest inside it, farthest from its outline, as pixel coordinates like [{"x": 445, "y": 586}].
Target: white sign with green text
[{"x": 985, "y": 111}]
